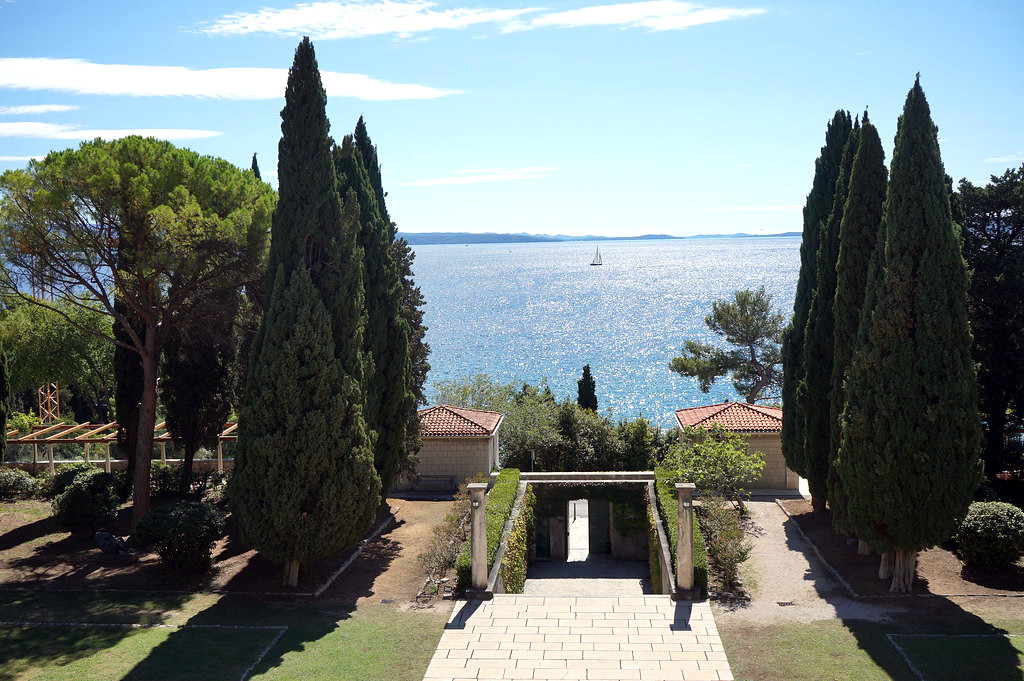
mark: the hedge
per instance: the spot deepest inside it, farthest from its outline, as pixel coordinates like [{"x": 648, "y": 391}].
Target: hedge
[
  {"x": 668, "y": 505},
  {"x": 499, "y": 506},
  {"x": 514, "y": 563},
  {"x": 653, "y": 552}
]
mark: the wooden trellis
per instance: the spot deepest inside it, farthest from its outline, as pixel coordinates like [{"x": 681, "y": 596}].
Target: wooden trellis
[{"x": 101, "y": 435}]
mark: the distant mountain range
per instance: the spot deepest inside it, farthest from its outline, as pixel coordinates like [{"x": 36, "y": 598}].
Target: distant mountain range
[{"x": 424, "y": 238}]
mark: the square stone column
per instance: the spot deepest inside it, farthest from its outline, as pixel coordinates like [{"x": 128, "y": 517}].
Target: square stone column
[
  {"x": 684, "y": 551},
  {"x": 478, "y": 534}
]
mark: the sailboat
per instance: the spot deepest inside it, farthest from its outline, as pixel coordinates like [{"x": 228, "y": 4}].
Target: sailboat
[{"x": 597, "y": 257}]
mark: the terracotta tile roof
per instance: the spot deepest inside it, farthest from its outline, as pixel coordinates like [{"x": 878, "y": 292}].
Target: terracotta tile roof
[
  {"x": 737, "y": 416},
  {"x": 446, "y": 421}
]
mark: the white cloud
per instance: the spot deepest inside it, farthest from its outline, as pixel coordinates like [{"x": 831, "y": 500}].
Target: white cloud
[
  {"x": 656, "y": 15},
  {"x": 19, "y": 159},
  {"x": 70, "y": 132},
  {"x": 333, "y": 20},
  {"x": 32, "y": 109},
  {"x": 728, "y": 209},
  {"x": 1009, "y": 158},
  {"x": 404, "y": 18},
  {"x": 86, "y": 78},
  {"x": 486, "y": 175}
]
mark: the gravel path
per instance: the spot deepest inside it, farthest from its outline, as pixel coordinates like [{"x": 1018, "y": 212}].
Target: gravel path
[{"x": 783, "y": 569}]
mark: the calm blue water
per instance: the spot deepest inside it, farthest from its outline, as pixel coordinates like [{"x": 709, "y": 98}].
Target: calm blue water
[{"x": 523, "y": 312}]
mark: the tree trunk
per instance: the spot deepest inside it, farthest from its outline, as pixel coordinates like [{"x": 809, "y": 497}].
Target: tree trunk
[
  {"x": 291, "y": 573},
  {"x": 885, "y": 565},
  {"x": 185, "y": 481},
  {"x": 904, "y": 567},
  {"x": 817, "y": 504},
  {"x": 862, "y": 548},
  {"x": 144, "y": 435},
  {"x": 995, "y": 438}
]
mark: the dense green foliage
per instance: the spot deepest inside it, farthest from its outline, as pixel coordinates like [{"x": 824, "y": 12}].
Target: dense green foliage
[
  {"x": 751, "y": 325},
  {"x": 6, "y": 400},
  {"x": 182, "y": 534},
  {"x": 15, "y": 482},
  {"x": 500, "y": 500},
  {"x": 858, "y": 234},
  {"x": 653, "y": 552},
  {"x": 64, "y": 476},
  {"x": 89, "y": 501},
  {"x": 668, "y": 506},
  {"x": 164, "y": 479},
  {"x": 727, "y": 545},
  {"x": 816, "y": 211},
  {"x": 909, "y": 454},
  {"x": 819, "y": 340},
  {"x": 991, "y": 535},
  {"x": 515, "y": 561},
  {"x": 993, "y": 229},
  {"x": 716, "y": 460},
  {"x": 586, "y": 395}
]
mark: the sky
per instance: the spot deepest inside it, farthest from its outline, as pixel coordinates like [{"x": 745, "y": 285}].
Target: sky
[{"x": 549, "y": 117}]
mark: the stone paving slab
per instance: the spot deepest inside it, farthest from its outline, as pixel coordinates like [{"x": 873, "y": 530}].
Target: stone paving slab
[{"x": 545, "y": 637}]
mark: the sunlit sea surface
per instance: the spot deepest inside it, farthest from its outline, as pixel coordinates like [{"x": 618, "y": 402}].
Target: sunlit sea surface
[{"x": 523, "y": 312}]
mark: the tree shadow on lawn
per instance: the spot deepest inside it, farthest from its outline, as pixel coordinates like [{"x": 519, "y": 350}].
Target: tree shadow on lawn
[
  {"x": 871, "y": 619},
  {"x": 307, "y": 619}
]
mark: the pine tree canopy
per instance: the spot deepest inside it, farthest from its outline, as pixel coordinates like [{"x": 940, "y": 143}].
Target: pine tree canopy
[
  {"x": 816, "y": 211},
  {"x": 908, "y": 460}
]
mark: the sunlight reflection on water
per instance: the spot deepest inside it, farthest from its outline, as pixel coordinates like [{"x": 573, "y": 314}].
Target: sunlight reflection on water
[{"x": 522, "y": 312}]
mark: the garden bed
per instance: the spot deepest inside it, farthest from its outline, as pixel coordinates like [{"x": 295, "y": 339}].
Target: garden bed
[
  {"x": 37, "y": 553},
  {"x": 939, "y": 570}
]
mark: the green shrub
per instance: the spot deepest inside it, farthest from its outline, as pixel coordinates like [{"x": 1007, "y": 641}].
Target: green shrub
[
  {"x": 163, "y": 479},
  {"x": 514, "y": 562},
  {"x": 182, "y": 534},
  {"x": 499, "y": 506},
  {"x": 668, "y": 505},
  {"x": 15, "y": 482},
  {"x": 992, "y": 534},
  {"x": 653, "y": 552},
  {"x": 62, "y": 479},
  {"x": 89, "y": 501},
  {"x": 727, "y": 544},
  {"x": 212, "y": 486}
]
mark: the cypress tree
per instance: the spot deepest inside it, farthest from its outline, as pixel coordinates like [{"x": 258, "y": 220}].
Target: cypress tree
[
  {"x": 908, "y": 461},
  {"x": 312, "y": 238},
  {"x": 818, "y": 338},
  {"x": 388, "y": 397},
  {"x": 5, "y": 400},
  {"x": 305, "y": 487},
  {"x": 256, "y": 168},
  {"x": 816, "y": 211},
  {"x": 586, "y": 396},
  {"x": 858, "y": 235}
]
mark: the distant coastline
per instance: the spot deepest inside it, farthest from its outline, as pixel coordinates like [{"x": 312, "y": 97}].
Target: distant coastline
[{"x": 427, "y": 238}]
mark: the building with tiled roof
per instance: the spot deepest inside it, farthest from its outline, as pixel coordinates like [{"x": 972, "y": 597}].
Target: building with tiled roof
[
  {"x": 457, "y": 444},
  {"x": 760, "y": 426}
]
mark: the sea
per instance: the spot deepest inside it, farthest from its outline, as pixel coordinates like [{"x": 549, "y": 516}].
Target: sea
[{"x": 526, "y": 312}]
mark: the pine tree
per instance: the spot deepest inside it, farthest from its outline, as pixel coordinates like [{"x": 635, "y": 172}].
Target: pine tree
[
  {"x": 388, "y": 397},
  {"x": 127, "y": 396},
  {"x": 586, "y": 395},
  {"x": 908, "y": 460},
  {"x": 818, "y": 338},
  {"x": 816, "y": 211},
  {"x": 256, "y": 168},
  {"x": 858, "y": 235},
  {"x": 313, "y": 239},
  {"x": 305, "y": 486}
]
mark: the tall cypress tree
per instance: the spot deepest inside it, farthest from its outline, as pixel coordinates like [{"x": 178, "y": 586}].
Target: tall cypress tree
[
  {"x": 5, "y": 400},
  {"x": 256, "y": 168},
  {"x": 818, "y": 338},
  {"x": 314, "y": 239},
  {"x": 908, "y": 462},
  {"x": 816, "y": 211},
  {"x": 586, "y": 395},
  {"x": 858, "y": 235},
  {"x": 389, "y": 400}
]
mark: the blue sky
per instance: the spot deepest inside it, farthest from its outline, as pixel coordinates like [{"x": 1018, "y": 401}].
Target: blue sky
[{"x": 569, "y": 117}]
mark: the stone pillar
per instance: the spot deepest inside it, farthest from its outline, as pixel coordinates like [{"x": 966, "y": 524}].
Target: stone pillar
[
  {"x": 684, "y": 557},
  {"x": 478, "y": 534},
  {"x": 220, "y": 457}
]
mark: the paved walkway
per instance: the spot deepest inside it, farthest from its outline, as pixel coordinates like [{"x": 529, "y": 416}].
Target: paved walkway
[
  {"x": 615, "y": 638},
  {"x": 598, "y": 575}
]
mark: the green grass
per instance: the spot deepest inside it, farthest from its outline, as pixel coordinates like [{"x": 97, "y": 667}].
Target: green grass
[
  {"x": 952, "y": 658},
  {"x": 324, "y": 639}
]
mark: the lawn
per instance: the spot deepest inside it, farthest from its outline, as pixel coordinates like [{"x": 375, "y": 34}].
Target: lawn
[{"x": 951, "y": 658}]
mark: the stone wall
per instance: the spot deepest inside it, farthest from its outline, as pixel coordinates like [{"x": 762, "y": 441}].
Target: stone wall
[
  {"x": 458, "y": 457},
  {"x": 775, "y": 474}
]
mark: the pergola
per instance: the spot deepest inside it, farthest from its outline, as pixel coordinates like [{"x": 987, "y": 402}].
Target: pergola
[{"x": 100, "y": 434}]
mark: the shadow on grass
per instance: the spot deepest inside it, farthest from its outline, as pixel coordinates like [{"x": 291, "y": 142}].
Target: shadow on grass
[
  {"x": 902, "y": 615},
  {"x": 307, "y": 620}
]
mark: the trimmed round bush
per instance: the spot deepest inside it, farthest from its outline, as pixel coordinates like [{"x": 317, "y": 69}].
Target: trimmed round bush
[
  {"x": 88, "y": 502},
  {"x": 163, "y": 479},
  {"x": 182, "y": 535},
  {"x": 65, "y": 475},
  {"x": 992, "y": 534},
  {"x": 15, "y": 482}
]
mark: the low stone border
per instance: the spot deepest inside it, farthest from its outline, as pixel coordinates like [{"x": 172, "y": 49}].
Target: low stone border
[
  {"x": 906, "y": 658},
  {"x": 862, "y": 597},
  {"x": 133, "y": 625}
]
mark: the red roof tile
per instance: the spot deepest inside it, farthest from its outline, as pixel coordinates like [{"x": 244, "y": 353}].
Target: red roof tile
[
  {"x": 447, "y": 421},
  {"x": 738, "y": 416}
]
